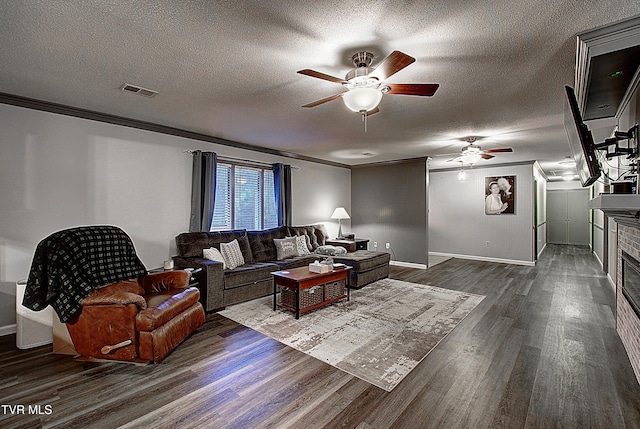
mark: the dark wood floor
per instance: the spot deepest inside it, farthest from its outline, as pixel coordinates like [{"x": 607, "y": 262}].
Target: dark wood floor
[{"x": 540, "y": 351}]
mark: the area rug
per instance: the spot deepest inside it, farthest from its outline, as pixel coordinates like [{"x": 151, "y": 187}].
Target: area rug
[{"x": 380, "y": 335}]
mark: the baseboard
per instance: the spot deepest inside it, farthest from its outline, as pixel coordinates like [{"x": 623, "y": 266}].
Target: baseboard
[
  {"x": 611, "y": 282},
  {"x": 541, "y": 250},
  {"x": 597, "y": 257},
  {"x": 408, "y": 265},
  {"x": 486, "y": 259},
  {"x": 7, "y": 330}
]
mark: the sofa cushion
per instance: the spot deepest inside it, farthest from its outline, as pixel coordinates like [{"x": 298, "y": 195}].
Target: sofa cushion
[
  {"x": 248, "y": 274},
  {"x": 301, "y": 261},
  {"x": 232, "y": 255},
  {"x": 164, "y": 306},
  {"x": 262, "y": 245},
  {"x": 190, "y": 244},
  {"x": 321, "y": 233},
  {"x": 307, "y": 233},
  {"x": 363, "y": 260}
]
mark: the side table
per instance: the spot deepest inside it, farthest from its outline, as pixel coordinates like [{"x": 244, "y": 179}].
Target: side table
[{"x": 350, "y": 245}]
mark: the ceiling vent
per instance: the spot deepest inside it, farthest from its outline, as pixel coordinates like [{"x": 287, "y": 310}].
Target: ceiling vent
[{"x": 127, "y": 87}]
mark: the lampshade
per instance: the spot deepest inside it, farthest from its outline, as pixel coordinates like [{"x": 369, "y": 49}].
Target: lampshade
[
  {"x": 362, "y": 98},
  {"x": 340, "y": 213}
]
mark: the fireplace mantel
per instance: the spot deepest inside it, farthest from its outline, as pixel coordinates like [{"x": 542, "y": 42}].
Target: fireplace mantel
[{"x": 621, "y": 207}]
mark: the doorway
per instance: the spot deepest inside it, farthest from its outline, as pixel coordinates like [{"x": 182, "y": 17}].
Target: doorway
[{"x": 568, "y": 216}]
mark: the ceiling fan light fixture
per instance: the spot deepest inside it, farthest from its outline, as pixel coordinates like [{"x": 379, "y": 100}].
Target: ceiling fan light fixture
[
  {"x": 471, "y": 158},
  {"x": 362, "y": 99}
]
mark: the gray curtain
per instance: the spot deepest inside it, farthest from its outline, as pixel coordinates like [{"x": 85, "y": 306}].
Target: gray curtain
[
  {"x": 203, "y": 190},
  {"x": 282, "y": 186}
]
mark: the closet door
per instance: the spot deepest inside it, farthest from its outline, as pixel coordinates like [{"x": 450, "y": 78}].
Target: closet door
[
  {"x": 568, "y": 216},
  {"x": 557, "y": 217},
  {"x": 578, "y": 216}
]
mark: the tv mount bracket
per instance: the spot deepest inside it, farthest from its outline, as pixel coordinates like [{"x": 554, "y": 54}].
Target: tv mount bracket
[{"x": 631, "y": 136}]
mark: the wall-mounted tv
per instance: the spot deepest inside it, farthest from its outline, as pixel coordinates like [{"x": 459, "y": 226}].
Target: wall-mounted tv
[{"x": 580, "y": 141}]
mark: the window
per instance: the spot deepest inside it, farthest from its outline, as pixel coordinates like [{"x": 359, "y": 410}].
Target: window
[{"x": 245, "y": 198}]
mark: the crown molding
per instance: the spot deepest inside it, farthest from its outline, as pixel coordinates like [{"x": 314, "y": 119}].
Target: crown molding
[{"x": 60, "y": 109}]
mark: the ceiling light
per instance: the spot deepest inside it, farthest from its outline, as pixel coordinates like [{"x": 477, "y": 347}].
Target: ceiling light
[
  {"x": 471, "y": 154},
  {"x": 471, "y": 158},
  {"x": 362, "y": 99},
  {"x": 462, "y": 175}
]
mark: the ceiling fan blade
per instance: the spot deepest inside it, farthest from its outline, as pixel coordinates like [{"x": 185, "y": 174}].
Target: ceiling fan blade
[
  {"x": 486, "y": 156},
  {"x": 423, "y": 89},
  {"x": 324, "y": 100},
  {"x": 391, "y": 65},
  {"x": 319, "y": 75},
  {"x": 506, "y": 149}
]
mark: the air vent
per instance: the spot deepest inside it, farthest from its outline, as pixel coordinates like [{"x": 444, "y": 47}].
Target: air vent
[{"x": 127, "y": 87}]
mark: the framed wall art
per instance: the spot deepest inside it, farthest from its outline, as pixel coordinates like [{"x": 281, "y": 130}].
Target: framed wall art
[{"x": 500, "y": 195}]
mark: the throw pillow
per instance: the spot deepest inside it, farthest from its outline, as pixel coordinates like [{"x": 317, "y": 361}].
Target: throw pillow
[
  {"x": 301, "y": 245},
  {"x": 214, "y": 254},
  {"x": 232, "y": 254},
  {"x": 285, "y": 247},
  {"x": 331, "y": 250}
]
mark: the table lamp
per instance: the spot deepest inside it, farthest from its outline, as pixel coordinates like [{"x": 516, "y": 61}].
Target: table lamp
[{"x": 340, "y": 213}]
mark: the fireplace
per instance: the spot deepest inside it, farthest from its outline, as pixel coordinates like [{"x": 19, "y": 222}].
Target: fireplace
[
  {"x": 631, "y": 281},
  {"x": 628, "y": 291}
]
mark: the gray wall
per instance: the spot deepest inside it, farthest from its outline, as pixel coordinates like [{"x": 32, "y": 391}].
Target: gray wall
[
  {"x": 390, "y": 206},
  {"x": 459, "y": 227},
  {"x": 58, "y": 171}
]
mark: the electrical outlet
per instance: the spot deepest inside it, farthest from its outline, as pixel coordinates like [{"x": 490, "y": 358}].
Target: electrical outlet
[
  {"x": 488, "y": 243},
  {"x": 375, "y": 245},
  {"x": 388, "y": 245}
]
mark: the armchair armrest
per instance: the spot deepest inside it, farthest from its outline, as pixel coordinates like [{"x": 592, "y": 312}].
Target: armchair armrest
[
  {"x": 105, "y": 296},
  {"x": 162, "y": 282}
]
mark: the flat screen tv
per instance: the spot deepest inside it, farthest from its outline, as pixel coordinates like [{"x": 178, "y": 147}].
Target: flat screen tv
[{"x": 580, "y": 141}]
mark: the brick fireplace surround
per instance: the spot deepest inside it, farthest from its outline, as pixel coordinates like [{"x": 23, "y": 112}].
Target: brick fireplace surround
[{"x": 627, "y": 322}]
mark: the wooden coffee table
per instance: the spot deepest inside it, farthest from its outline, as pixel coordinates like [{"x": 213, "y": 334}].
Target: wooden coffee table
[{"x": 302, "y": 290}]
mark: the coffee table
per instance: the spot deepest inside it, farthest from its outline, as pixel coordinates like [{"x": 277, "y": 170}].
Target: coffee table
[{"x": 302, "y": 290}]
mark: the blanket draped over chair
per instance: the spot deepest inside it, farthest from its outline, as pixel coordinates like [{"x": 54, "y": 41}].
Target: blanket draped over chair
[{"x": 69, "y": 264}]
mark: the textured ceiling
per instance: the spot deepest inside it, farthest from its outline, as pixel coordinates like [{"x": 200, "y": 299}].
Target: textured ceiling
[{"x": 228, "y": 69}]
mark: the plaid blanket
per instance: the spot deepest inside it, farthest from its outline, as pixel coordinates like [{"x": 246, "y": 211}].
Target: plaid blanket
[{"x": 69, "y": 264}]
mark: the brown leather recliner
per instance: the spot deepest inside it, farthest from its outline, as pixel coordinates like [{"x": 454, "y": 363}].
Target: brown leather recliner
[{"x": 137, "y": 320}]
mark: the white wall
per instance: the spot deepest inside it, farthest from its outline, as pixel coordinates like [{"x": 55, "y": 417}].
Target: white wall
[
  {"x": 58, "y": 171},
  {"x": 458, "y": 225}
]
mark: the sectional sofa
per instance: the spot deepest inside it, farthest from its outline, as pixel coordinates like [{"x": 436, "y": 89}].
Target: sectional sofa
[{"x": 220, "y": 286}]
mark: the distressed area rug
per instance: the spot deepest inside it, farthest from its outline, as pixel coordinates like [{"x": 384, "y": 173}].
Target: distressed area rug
[{"x": 379, "y": 336}]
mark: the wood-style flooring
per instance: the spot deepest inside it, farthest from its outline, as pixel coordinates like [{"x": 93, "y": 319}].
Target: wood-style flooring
[{"x": 541, "y": 351}]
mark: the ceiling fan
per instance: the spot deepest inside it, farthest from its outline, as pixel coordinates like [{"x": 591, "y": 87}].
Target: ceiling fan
[
  {"x": 473, "y": 153},
  {"x": 366, "y": 84}
]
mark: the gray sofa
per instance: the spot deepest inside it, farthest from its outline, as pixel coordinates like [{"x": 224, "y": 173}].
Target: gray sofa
[{"x": 221, "y": 287}]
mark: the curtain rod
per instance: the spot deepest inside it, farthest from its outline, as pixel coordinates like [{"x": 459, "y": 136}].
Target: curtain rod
[{"x": 248, "y": 161}]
